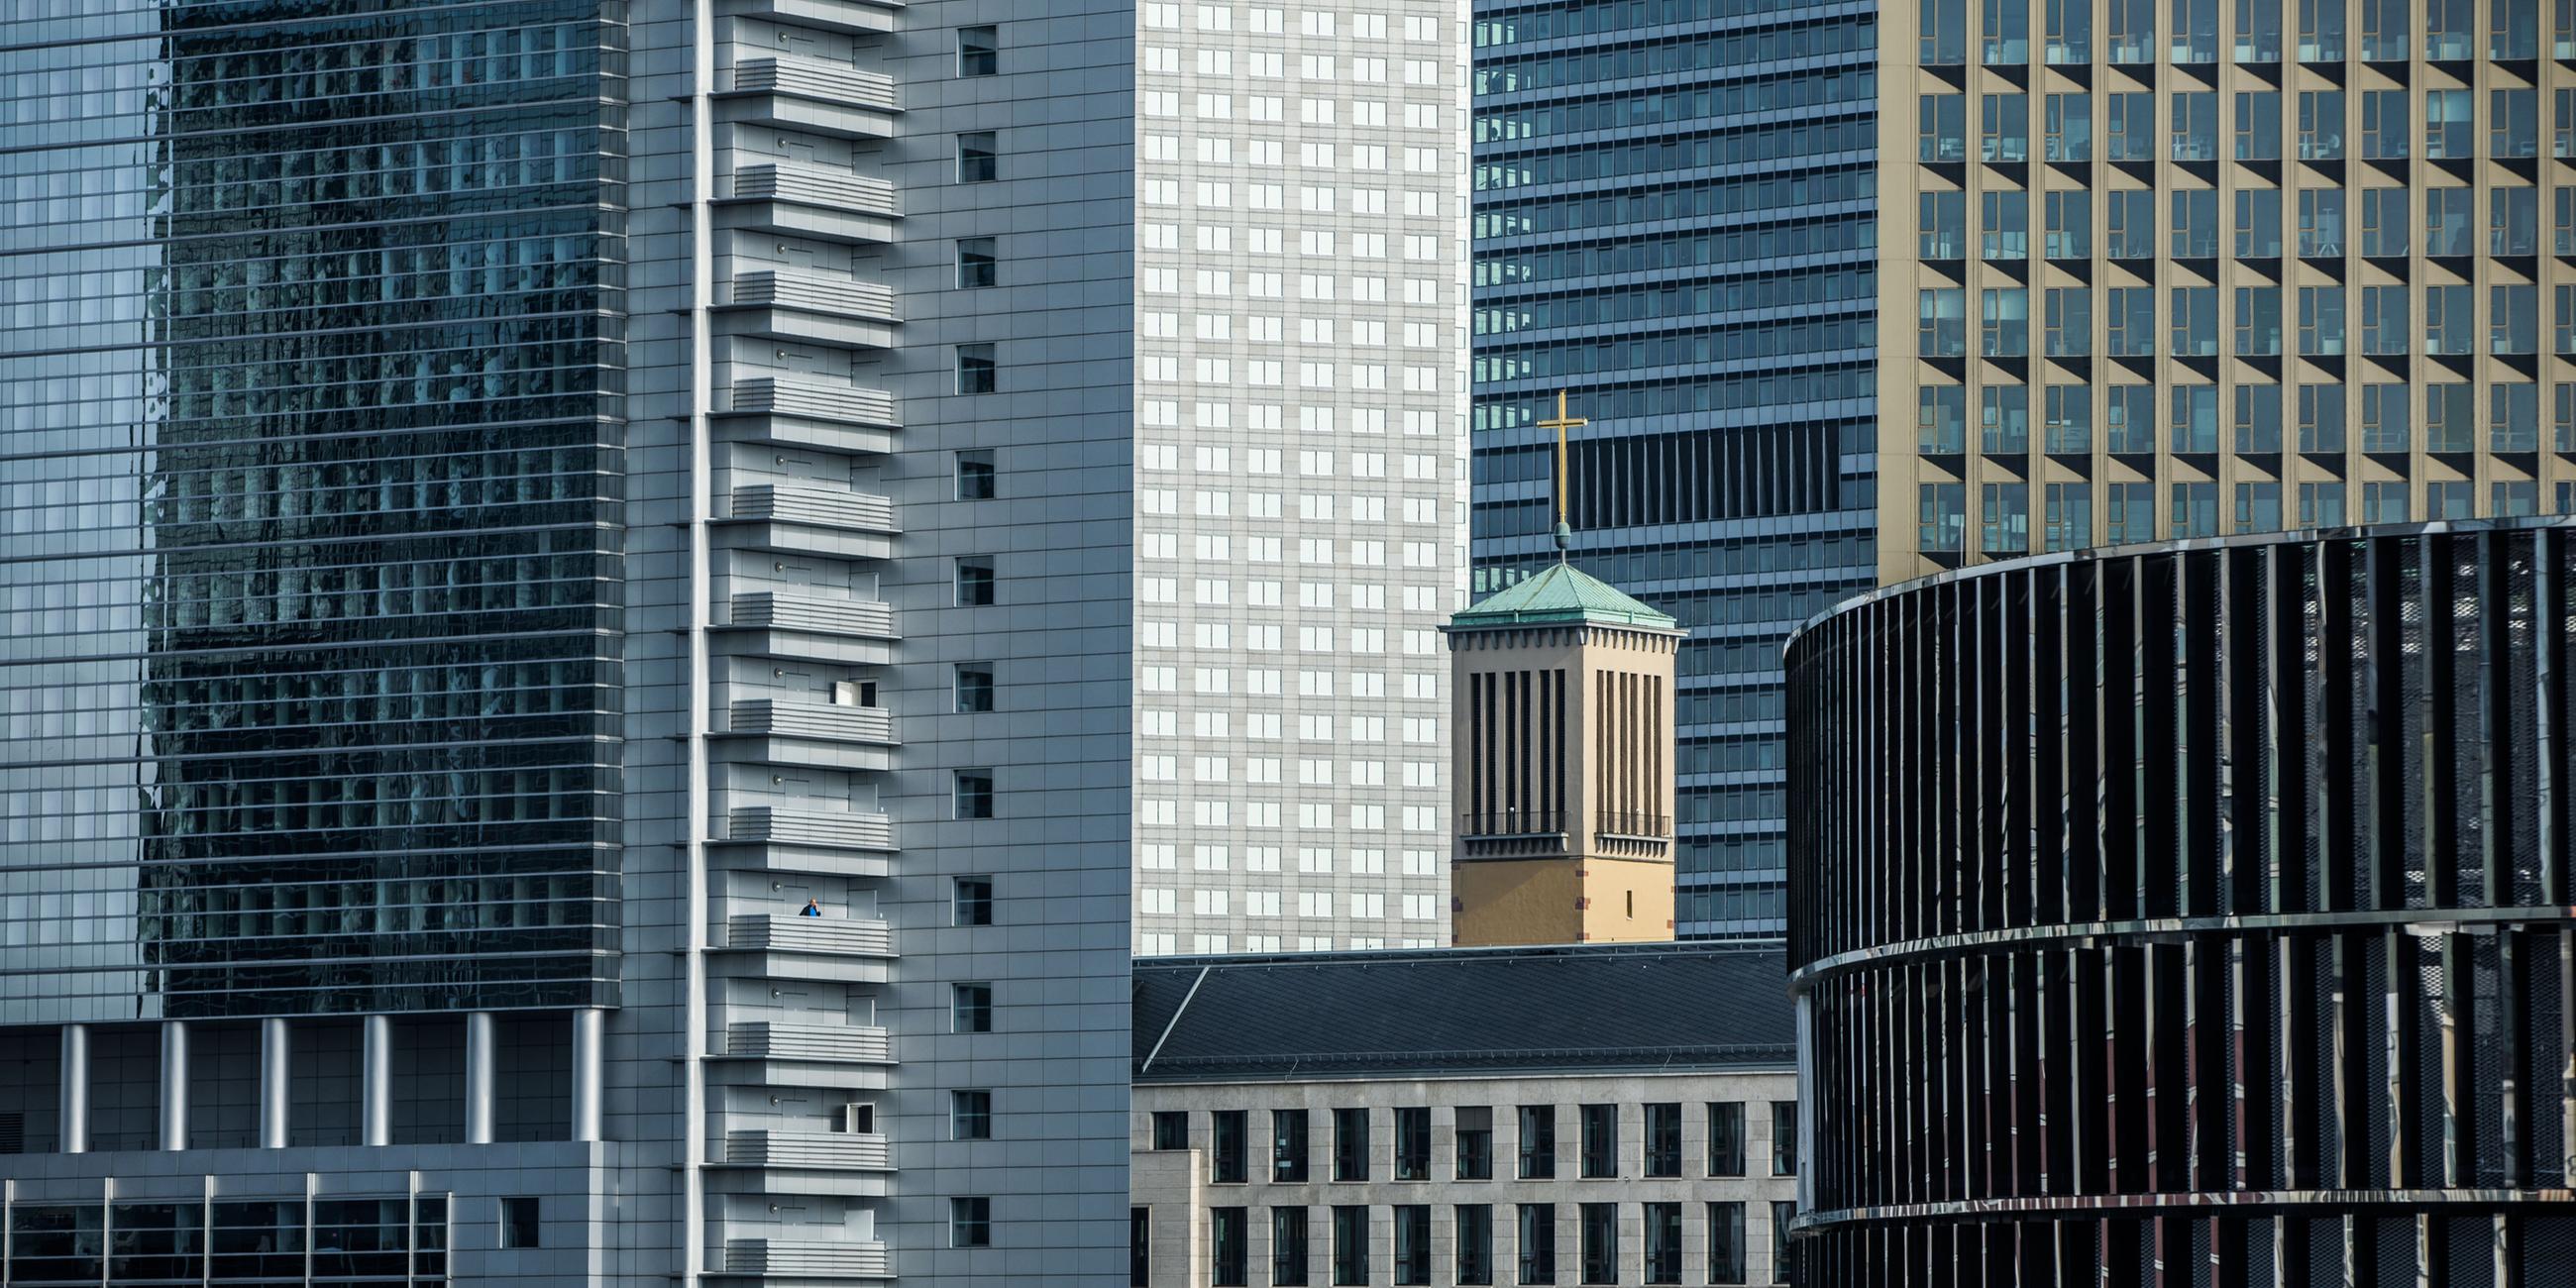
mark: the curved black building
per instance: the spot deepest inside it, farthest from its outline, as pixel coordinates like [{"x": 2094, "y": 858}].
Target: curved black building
[{"x": 2192, "y": 915}]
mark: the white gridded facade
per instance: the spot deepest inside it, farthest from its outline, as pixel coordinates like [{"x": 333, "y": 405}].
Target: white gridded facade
[
  {"x": 1301, "y": 397},
  {"x": 2160, "y": 269}
]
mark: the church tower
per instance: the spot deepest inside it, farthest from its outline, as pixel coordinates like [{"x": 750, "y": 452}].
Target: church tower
[{"x": 1563, "y": 764}]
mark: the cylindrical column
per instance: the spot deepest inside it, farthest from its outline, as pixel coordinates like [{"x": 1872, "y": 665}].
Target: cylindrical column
[
  {"x": 376, "y": 1082},
  {"x": 174, "y": 1084},
  {"x": 274, "y": 1054},
  {"x": 589, "y": 1029},
  {"x": 478, "y": 1078},
  {"x": 75, "y": 1089}
]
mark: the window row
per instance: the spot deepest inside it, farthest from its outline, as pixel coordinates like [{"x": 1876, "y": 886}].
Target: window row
[
  {"x": 2140, "y": 126},
  {"x": 1310, "y": 816},
  {"x": 1406, "y": 1150},
  {"x": 1165, "y": 857},
  {"x": 2254, "y": 324},
  {"x": 1167, "y": 944},
  {"x": 2127, "y": 511},
  {"x": 2250, "y": 419},
  {"x": 2449, "y": 31},
  {"x": 1312, "y": 905},
  {"x": 1303, "y": 1254},
  {"x": 2127, "y": 228},
  {"x": 1271, "y": 20}
]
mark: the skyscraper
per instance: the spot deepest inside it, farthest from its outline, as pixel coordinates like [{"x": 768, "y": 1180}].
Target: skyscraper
[
  {"x": 2169, "y": 277},
  {"x": 578, "y": 579},
  {"x": 1674, "y": 223},
  {"x": 1301, "y": 375}
]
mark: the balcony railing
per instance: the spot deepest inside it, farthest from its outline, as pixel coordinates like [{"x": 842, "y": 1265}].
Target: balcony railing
[
  {"x": 807, "y": 1260},
  {"x": 1513, "y": 823},
  {"x": 815, "y": 79},
  {"x": 824, "y": 507},
  {"x": 840, "y": 1043},
  {"x": 1617, "y": 823},
  {"x": 832, "y": 295},
  {"x": 788, "y": 932},
  {"x": 817, "y": 402},
  {"x": 777, "y": 612},
  {"x": 822, "y": 720},
  {"x": 762, "y": 824},
  {"x": 839, "y": 1150}
]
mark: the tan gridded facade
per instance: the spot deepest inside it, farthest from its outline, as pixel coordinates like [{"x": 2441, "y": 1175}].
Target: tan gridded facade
[
  {"x": 1564, "y": 776},
  {"x": 2176, "y": 269}
]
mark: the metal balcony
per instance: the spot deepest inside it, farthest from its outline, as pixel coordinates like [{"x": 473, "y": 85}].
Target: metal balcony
[
  {"x": 810, "y": 95},
  {"x": 807, "y": 519},
  {"x": 853, "y": 831},
  {"x": 809, "y": 201},
  {"x": 857, "y": 632},
  {"x": 788, "y": 945},
  {"x": 794, "y": 413},
  {"x": 775, "y": 304},
  {"x": 814, "y": 720},
  {"x": 1512, "y": 834},
  {"x": 820, "y": 1043},
  {"x": 777, "y": 1257},
  {"x": 816, "y": 735},
  {"x": 760, "y": 837},
  {"x": 826, "y": 1150},
  {"x": 858, "y": 17},
  {"x": 1646, "y": 826}
]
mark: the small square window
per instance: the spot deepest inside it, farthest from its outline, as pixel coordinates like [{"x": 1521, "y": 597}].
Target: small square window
[
  {"x": 976, "y": 153},
  {"x": 976, "y": 263},
  {"x": 970, "y": 1008},
  {"x": 1171, "y": 1129},
  {"x": 970, "y": 1115},
  {"x": 974, "y": 904},
  {"x": 519, "y": 1225},
  {"x": 976, "y": 373},
  {"x": 974, "y": 687},
  {"x": 975, "y": 580},
  {"x": 974, "y": 793},
  {"x": 975, "y": 476},
  {"x": 979, "y": 51},
  {"x": 970, "y": 1223}
]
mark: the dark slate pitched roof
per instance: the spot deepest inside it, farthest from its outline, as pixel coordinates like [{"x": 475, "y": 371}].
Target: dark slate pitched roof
[{"x": 1486, "y": 1010}]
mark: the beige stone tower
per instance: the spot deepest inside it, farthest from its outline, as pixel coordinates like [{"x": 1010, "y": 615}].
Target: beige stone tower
[{"x": 1563, "y": 754}]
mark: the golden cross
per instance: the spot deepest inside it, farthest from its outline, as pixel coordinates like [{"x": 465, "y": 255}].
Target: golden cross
[{"x": 1560, "y": 424}]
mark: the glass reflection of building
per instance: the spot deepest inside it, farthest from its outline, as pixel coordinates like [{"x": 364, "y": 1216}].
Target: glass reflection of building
[
  {"x": 1674, "y": 223},
  {"x": 380, "y": 477}
]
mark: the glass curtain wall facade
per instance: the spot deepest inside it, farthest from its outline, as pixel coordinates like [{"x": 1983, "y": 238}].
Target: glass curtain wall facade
[
  {"x": 2190, "y": 911},
  {"x": 1674, "y": 225},
  {"x": 2178, "y": 270},
  {"x": 312, "y": 471}
]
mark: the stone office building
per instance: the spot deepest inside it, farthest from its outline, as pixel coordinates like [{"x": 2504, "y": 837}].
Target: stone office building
[{"x": 1596, "y": 1114}]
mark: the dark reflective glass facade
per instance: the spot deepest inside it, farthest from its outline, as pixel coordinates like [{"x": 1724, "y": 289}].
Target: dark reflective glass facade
[
  {"x": 2192, "y": 914},
  {"x": 1673, "y": 224},
  {"x": 310, "y": 488}
]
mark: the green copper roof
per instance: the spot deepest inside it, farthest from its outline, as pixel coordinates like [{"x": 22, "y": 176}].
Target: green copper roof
[{"x": 1560, "y": 594}]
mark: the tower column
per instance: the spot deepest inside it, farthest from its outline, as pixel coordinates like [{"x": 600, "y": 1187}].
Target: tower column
[
  {"x": 74, "y": 1103},
  {"x": 174, "y": 1084},
  {"x": 478, "y": 1078},
  {"x": 274, "y": 1053},
  {"x": 376, "y": 1083},
  {"x": 589, "y": 1025}
]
